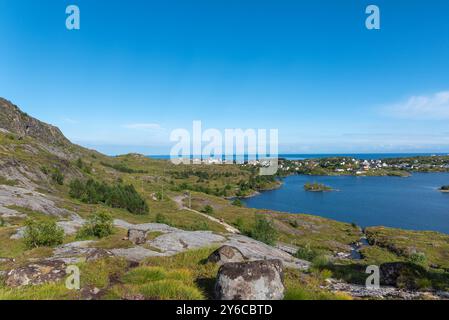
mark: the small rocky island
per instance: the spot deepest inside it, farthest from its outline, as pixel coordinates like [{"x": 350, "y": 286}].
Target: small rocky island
[{"x": 317, "y": 187}]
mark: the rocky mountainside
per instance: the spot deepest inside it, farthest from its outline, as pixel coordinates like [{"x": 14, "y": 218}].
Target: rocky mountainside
[
  {"x": 16, "y": 121},
  {"x": 32, "y": 152}
]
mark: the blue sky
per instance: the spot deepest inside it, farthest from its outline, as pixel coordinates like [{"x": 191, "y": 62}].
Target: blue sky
[{"x": 139, "y": 69}]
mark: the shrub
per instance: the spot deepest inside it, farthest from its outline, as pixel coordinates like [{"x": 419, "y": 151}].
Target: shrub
[
  {"x": 42, "y": 233},
  {"x": 83, "y": 166},
  {"x": 57, "y": 176},
  {"x": 159, "y": 196},
  {"x": 306, "y": 253},
  {"x": 45, "y": 170},
  {"x": 238, "y": 203},
  {"x": 264, "y": 231},
  {"x": 208, "y": 209},
  {"x": 2, "y": 222},
  {"x": 418, "y": 258},
  {"x": 99, "y": 225},
  {"x": 320, "y": 262},
  {"x": 160, "y": 218}
]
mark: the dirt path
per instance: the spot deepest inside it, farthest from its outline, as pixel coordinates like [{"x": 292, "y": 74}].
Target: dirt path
[{"x": 179, "y": 201}]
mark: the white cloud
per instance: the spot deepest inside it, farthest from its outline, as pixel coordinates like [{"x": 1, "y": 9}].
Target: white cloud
[
  {"x": 70, "y": 121},
  {"x": 434, "y": 106},
  {"x": 142, "y": 126}
]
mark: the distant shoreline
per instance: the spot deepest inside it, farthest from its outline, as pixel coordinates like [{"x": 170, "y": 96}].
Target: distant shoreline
[{"x": 301, "y": 156}]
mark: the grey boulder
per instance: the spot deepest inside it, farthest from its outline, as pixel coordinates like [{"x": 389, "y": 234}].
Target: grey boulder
[
  {"x": 255, "y": 280},
  {"x": 226, "y": 254},
  {"x": 137, "y": 236}
]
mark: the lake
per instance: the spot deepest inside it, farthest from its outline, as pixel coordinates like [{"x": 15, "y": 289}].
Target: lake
[{"x": 409, "y": 203}]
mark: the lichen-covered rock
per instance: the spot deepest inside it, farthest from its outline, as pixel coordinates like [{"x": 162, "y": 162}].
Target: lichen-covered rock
[
  {"x": 255, "y": 280},
  {"x": 137, "y": 236},
  {"x": 36, "y": 273},
  {"x": 226, "y": 254}
]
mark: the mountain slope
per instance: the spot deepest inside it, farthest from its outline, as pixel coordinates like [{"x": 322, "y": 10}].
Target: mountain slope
[{"x": 15, "y": 121}]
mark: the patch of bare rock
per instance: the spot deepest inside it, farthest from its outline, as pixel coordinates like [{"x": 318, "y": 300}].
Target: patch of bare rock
[
  {"x": 383, "y": 292},
  {"x": 19, "y": 197},
  {"x": 174, "y": 241}
]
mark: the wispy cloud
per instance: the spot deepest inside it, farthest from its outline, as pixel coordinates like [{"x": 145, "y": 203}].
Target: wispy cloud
[
  {"x": 434, "y": 106},
  {"x": 143, "y": 126},
  {"x": 70, "y": 121}
]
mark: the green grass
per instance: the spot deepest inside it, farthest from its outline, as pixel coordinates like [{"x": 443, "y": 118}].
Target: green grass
[
  {"x": 157, "y": 283},
  {"x": 113, "y": 241},
  {"x": 50, "y": 291},
  {"x": 4, "y": 181},
  {"x": 404, "y": 243},
  {"x": 101, "y": 272},
  {"x": 144, "y": 274}
]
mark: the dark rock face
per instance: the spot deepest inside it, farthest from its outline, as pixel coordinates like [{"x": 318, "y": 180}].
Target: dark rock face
[
  {"x": 226, "y": 254},
  {"x": 401, "y": 274},
  {"x": 137, "y": 236},
  {"x": 18, "y": 122},
  {"x": 36, "y": 273},
  {"x": 255, "y": 280}
]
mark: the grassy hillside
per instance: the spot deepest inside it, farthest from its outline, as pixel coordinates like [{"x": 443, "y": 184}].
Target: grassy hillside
[{"x": 36, "y": 178}]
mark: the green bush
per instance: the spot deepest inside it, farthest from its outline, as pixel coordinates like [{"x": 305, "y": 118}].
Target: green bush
[
  {"x": 160, "y": 218},
  {"x": 116, "y": 196},
  {"x": 306, "y": 253},
  {"x": 99, "y": 225},
  {"x": 320, "y": 262},
  {"x": 45, "y": 170},
  {"x": 83, "y": 166},
  {"x": 208, "y": 209},
  {"x": 264, "y": 231},
  {"x": 57, "y": 176},
  {"x": 42, "y": 234},
  {"x": 418, "y": 258}
]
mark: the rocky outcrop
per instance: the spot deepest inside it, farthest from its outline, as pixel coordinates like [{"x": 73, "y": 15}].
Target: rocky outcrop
[
  {"x": 137, "y": 236},
  {"x": 226, "y": 254},
  {"x": 15, "y": 121},
  {"x": 75, "y": 252},
  {"x": 255, "y": 280},
  {"x": 174, "y": 241},
  {"x": 255, "y": 250},
  {"x": 36, "y": 273},
  {"x": 32, "y": 200},
  {"x": 384, "y": 292}
]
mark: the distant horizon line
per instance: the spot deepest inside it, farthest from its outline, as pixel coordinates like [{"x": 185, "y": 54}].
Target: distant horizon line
[{"x": 327, "y": 153}]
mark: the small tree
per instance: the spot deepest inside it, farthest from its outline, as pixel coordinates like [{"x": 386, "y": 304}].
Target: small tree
[
  {"x": 42, "y": 234},
  {"x": 99, "y": 225},
  {"x": 264, "y": 231},
  {"x": 208, "y": 209}
]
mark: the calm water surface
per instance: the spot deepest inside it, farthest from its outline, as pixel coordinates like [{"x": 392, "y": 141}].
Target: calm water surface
[{"x": 409, "y": 203}]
